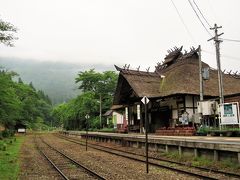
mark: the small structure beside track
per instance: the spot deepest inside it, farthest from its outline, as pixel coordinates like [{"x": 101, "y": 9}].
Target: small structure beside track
[{"x": 214, "y": 148}]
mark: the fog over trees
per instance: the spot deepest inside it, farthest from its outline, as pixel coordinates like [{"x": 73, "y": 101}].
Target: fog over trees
[{"x": 56, "y": 79}]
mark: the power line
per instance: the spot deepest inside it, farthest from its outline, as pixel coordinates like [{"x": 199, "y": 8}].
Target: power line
[
  {"x": 223, "y": 55},
  {"x": 233, "y": 40},
  {"x": 201, "y": 14},
  {"x": 199, "y": 18},
  {"x": 179, "y": 15}
]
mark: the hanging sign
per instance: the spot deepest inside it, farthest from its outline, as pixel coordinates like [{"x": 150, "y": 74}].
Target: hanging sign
[
  {"x": 138, "y": 112},
  {"x": 126, "y": 113}
]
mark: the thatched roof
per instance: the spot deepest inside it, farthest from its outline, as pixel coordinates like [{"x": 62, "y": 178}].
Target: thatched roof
[
  {"x": 183, "y": 78},
  {"x": 172, "y": 55},
  {"x": 180, "y": 77},
  {"x": 134, "y": 84}
]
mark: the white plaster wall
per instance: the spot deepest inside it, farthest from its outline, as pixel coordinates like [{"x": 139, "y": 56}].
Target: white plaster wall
[
  {"x": 190, "y": 112},
  {"x": 174, "y": 114},
  {"x": 119, "y": 117},
  {"x": 189, "y": 101}
]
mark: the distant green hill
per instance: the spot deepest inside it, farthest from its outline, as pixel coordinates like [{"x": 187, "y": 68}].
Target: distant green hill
[{"x": 56, "y": 79}]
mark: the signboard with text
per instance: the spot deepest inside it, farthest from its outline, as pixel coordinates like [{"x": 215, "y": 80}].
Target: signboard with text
[
  {"x": 138, "y": 112},
  {"x": 229, "y": 113}
]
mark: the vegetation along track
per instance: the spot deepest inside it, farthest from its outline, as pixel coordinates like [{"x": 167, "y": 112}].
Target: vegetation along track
[
  {"x": 200, "y": 172},
  {"x": 67, "y": 167}
]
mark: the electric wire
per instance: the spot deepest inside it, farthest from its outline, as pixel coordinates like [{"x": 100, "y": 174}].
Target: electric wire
[
  {"x": 201, "y": 14},
  {"x": 199, "y": 18},
  {"x": 233, "y": 40},
  {"x": 223, "y": 55},
  {"x": 179, "y": 15}
]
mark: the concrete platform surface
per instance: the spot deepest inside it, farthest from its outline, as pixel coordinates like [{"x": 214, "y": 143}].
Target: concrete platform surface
[{"x": 199, "y": 139}]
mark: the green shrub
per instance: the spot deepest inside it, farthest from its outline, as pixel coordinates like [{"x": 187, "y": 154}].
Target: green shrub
[
  {"x": 1, "y": 137},
  {"x": 201, "y": 161},
  {"x": 7, "y": 133},
  {"x": 107, "y": 130},
  {"x": 230, "y": 164}
]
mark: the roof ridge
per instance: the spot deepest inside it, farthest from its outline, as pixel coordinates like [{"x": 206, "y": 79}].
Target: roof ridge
[{"x": 135, "y": 72}]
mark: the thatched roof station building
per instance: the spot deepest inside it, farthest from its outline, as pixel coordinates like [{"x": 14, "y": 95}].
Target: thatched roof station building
[{"x": 173, "y": 90}]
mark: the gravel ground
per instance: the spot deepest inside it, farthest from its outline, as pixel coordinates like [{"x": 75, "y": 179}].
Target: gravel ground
[
  {"x": 110, "y": 166},
  {"x": 152, "y": 153},
  {"x": 33, "y": 165}
]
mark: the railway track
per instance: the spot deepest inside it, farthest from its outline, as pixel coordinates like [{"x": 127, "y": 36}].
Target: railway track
[
  {"x": 67, "y": 167},
  {"x": 200, "y": 172}
]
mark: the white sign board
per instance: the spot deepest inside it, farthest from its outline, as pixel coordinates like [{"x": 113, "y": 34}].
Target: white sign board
[
  {"x": 21, "y": 130},
  {"x": 145, "y": 100},
  {"x": 229, "y": 113},
  {"x": 138, "y": 112},
  {"x": 126, "y": 113}
]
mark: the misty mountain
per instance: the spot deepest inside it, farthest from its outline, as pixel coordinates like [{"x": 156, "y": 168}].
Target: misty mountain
[{"x": 56, "y": 79}]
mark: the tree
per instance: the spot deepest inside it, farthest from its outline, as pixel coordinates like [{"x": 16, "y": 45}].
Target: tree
[
  {"x": 104, "y": 83},
  {"x": 10, "y": 104},
  {"x": 7, "y": 31},
  {"x": 88, "y": 80},
  {"x": 20, "y": 80},
  {"x": 93, "y": 84},
  {"x": 20, "y": 103}
]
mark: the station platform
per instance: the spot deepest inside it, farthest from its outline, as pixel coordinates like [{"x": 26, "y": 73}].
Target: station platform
[{"x": 215, "y": 148}]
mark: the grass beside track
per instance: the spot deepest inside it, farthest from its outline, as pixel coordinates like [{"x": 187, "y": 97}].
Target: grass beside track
[{"x": 9, "y": 157}]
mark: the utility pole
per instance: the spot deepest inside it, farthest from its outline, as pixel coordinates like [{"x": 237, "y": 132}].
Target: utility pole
[
  {"x": 145, "y": 101},
  {"x": 87, "y": 117},
  {"x": 100, "y": 110},
  {"x": 200, "y": 80},
  {"x": 200, "y": 73},
  {"x": 217, "y": 42}
]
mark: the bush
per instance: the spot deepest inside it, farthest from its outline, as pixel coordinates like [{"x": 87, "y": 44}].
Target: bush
[
  {"x": 107, "y": 130},
  {"x": 94, "y": 123},
  {"x": 8, "y": 133},
  {"x": 1, "y": 137}
]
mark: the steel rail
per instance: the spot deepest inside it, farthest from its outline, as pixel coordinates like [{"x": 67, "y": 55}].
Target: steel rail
[
  {"x": 175, "y": 162},
  {"x": 51, "y": 162},
  {"x": 170, "y": 161},
  {"x": 76, "y": 163},
  {"x": 143, "y": 161},
  {"x": 89, "y": 171}
]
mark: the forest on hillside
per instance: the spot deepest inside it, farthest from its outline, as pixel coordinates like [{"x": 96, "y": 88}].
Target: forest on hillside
[
  {"x": 22, "y": 104},
  {"x": 65, "y": 97},
  {"x": 56, "y": 79},
  {"x": 97, "y": 95}
]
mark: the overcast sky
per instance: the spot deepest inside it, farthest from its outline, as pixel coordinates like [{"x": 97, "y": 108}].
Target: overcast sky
[{"x": 135, "y": 32}]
